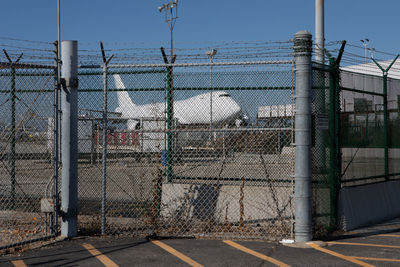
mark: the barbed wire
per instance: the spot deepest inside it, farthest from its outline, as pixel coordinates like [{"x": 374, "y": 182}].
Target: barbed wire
[
  {"x": 186, "y": 52},
  {"x": 26, "y": 41}
]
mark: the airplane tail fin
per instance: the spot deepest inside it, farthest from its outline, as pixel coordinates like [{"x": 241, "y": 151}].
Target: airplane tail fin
[{"x": 124, "y": 100}]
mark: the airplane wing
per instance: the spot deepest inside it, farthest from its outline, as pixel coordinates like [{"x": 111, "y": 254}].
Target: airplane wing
[{"x": 100, "y": 111}]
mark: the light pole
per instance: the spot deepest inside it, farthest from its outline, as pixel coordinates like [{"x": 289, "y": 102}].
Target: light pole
[
  {"x": 172, "y": 19},
  {"x": 211, "y": 54},
  {"x": 168, "y": 8},
  {"x": 372, "y": 50},
  {"x": 170, "y": 93},
  {"x": 365, "y": 43}
]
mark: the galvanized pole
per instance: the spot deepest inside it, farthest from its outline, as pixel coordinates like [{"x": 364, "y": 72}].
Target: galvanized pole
[
  {"x": 104, "y": 156},
  {"x": 320, "y": 91},
  {"x": 319, "y": 31},
  {"x": 302, "y": 198},
  {"x": 13, "y": 140},
  {"x": 69, "y": 142},
  {"x": 56, "y": 135},
  {"x": 59, "y": 70}
]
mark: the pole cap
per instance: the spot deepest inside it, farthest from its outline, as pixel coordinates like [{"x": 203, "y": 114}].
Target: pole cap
[{"x": 302, "y": 43}]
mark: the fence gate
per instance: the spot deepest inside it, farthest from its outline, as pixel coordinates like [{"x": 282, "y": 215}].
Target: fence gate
[
  {"x": 195, "y": 150},
  {"x": 26, "y": 152}
]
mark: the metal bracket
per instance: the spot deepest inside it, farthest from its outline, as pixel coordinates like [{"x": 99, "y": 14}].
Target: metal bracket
[
  {"x": 69, "y": 82},
  {"x": 68, "y": 213}
]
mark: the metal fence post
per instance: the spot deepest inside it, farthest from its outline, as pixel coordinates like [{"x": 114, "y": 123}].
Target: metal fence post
[
  {"x": 170, "y": 117},
  {"x": 104, "y": 153},
  {"x": 69, "y": 142},
  {"x": 333, "y": 175},
  {"x": 303, "y": 205},
  {"x": 11, "y": 158},
  {"x": 170, "y": 112},
  {"x": 335, "y": 154},
  {"x": 385, "y": 115},
  {"x": 56, "y": 135},
  {"x": 320, "y": 92},
  {"x": 13, "y": 139},
  {"x": 105, "y": 137},
  {"x": 385, "y": 125}
]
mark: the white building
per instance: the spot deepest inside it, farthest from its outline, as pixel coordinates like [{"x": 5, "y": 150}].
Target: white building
[{"x": 368, "y": 77}]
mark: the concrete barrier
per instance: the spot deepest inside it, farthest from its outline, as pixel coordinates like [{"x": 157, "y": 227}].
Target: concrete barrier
[
  {"x": 222, "y": 202},
  {"x": 368, "y": 204}
]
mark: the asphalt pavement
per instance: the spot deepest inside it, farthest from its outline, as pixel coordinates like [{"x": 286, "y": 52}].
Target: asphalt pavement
[{"x": 378, "y": 245}]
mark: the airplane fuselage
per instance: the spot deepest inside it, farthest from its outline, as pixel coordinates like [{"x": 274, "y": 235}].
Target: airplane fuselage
[{"x": 208, "y": 108}]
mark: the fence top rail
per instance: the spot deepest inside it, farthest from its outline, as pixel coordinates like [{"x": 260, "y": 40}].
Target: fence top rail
[
  {"x": 268, "y": 62},
  {"x": 9, "y": 65},
  {"x": 201, "y": 130}
]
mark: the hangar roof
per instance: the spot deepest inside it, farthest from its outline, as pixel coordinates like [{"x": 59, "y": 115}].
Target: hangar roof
[{"x": 372, "y": 69}]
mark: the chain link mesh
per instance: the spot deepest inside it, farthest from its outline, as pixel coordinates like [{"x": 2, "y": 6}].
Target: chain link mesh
[
  {"x": 193, "y": 148},
  {"x": 26, "y": 169},
  {"x": 211, "y": 157},
  {"x": 321, "y": 148},
  {"x": 363, "y": 128}
]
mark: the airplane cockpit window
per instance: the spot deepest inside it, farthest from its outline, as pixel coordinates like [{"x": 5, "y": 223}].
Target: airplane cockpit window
[{"x": 224, "y": 95}]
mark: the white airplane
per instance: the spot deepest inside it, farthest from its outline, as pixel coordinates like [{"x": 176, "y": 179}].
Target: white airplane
[{"x": 194, "y": 110}]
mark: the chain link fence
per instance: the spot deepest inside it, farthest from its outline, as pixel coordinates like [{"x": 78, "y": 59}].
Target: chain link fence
[
  {"x": 193, "y": 151},
  {"x": 322, "y": 179},
  {"x": 26, "y": 167},
  {"x": 365, "y": 133},
  {"x": 196, "y": 148},
  {"x": 353, "y": 143}
]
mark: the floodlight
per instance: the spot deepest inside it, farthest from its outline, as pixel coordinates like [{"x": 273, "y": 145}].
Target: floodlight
[
  {"x": 168, "y": 8},
  {"x": 365, "y": 43},
  {"x": 211, "y": 53}
]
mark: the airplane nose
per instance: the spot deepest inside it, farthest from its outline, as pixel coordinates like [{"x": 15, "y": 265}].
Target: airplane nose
[
  {"x": 237, "y": 109},
  {"x": 234, "y": 109}
]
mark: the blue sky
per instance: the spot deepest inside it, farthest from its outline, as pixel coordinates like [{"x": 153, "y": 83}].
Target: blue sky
[{"x": 201, "y": 21}]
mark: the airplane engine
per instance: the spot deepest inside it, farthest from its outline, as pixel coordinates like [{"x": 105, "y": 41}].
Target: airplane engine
[{"x": 132, "y": 124}]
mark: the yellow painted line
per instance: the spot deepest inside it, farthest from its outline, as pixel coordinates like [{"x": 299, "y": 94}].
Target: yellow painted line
[
  {"x": 363, "y": 244},
  {"x": 176, "y": 253},
  {"x": 255, "y": 253},
  {"x": 341, "y": 256},
  {"x": 104, "y": 259},
  {"x": 19, "y": 263},
  {"x": 377, "y": 259},
  {"x": 389, "y": 235}
]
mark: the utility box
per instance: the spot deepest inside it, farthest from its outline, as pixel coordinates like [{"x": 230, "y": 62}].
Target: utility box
[{"x": 47, "y": 205}]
